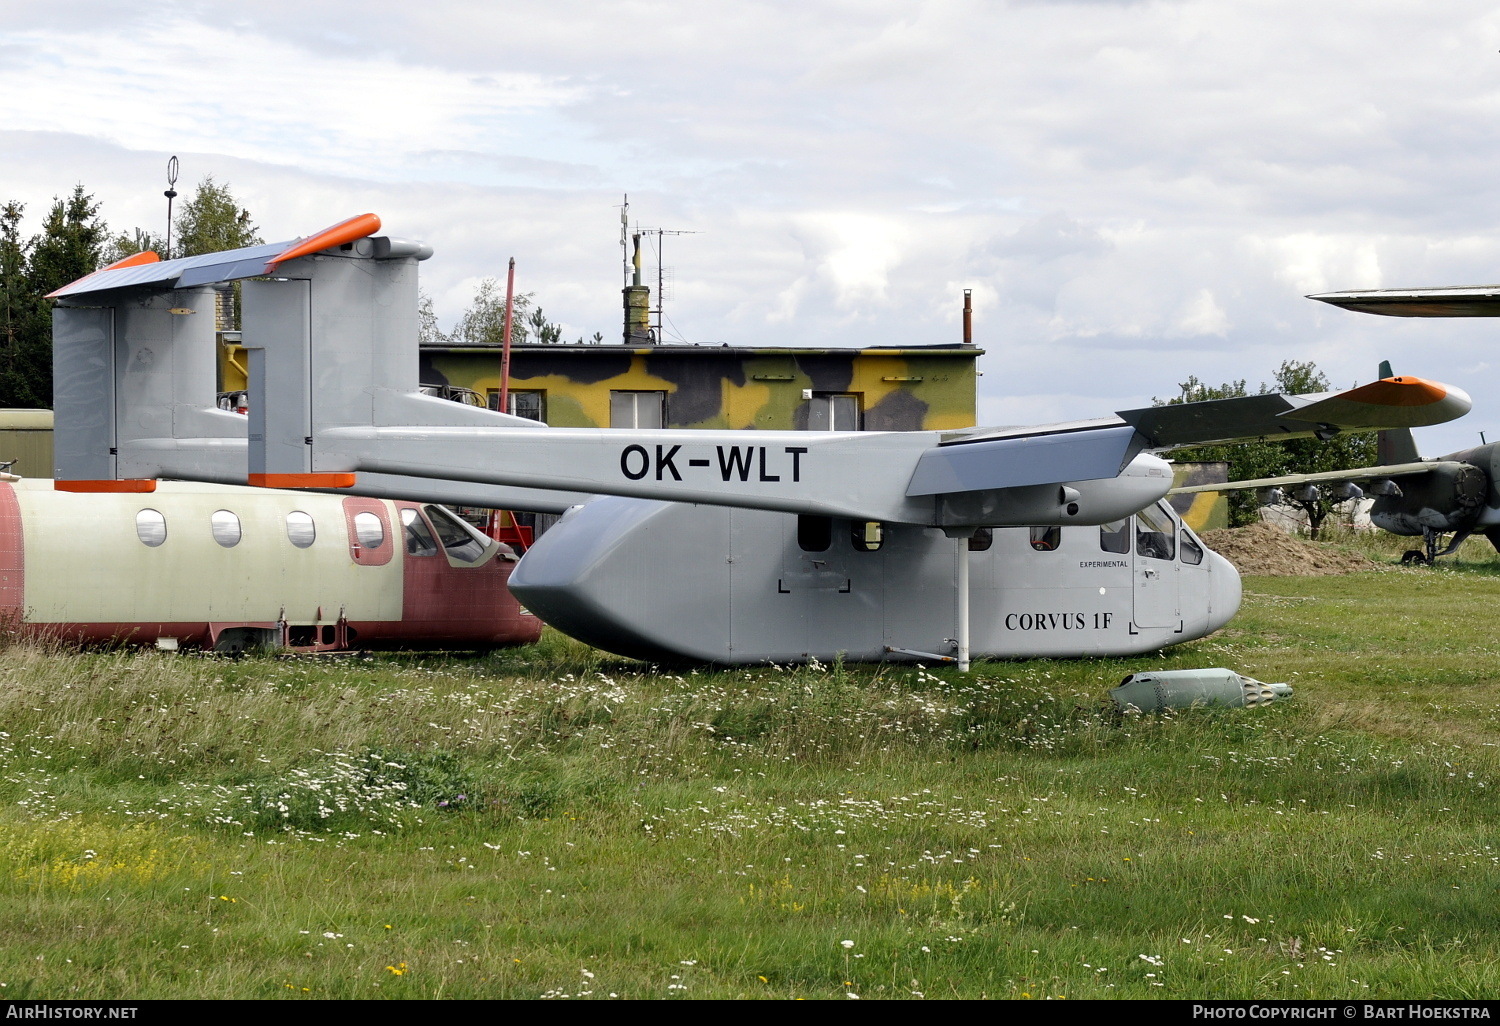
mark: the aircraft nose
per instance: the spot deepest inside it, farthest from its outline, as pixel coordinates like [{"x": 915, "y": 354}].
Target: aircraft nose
[{"x": 1225, "y": 590}]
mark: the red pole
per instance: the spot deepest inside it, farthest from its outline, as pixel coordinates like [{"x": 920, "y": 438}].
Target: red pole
[{"x": 510, "y": 294}]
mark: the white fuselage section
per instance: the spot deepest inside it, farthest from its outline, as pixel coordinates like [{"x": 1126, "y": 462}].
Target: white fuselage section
[{"x": 689, "y": 583}]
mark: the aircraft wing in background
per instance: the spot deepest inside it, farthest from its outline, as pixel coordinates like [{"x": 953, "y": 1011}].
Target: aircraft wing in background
[
  {"x": 1448, "y": 301},
  {"x": 1363, "y": 474}
]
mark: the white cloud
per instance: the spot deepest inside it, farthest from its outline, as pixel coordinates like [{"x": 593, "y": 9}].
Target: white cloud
[{"x": 1135, "y": 191}]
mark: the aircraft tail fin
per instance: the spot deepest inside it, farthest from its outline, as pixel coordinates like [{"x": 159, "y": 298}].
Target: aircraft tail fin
[{"x": 1397, "y": 445}]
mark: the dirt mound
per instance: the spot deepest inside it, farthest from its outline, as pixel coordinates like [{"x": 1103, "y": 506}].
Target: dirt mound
[{"x": 1271, "y": 552}]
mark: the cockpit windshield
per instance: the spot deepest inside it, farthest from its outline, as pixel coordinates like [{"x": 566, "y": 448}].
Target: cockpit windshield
[{"x": 460, "y": 541}]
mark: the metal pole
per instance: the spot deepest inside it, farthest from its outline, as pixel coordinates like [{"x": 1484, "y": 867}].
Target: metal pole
[
  {"x": 510, "y": 295},
  {"x": 968, "y": 317},
  {"x": 963, "y": 604},
  {"x": 170, "y": 194}
]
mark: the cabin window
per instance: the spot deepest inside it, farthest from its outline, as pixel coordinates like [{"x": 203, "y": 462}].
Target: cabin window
[
  {"x": 226, "y": 528},
  {"x": 1046, "y": 539},
  {"x": 1155, "y": 533},
  {"x": 833, "y": 412},
  {"x": 982, "y": 539},
  {"x": 300, "y": 529},
  {"x": 150, "y": 527},
  {"x": 459, "y": 540},
  {"x": 868, "y": 535},
  {"x": 1115, "y": 537},
  {"x": 369, "y": 530},
  {"x": 637, "y": 409},
  {"x": 1192, "y": 551},
  {"x": 419, "y": 540},
  {"x": 814, "y": 534}
]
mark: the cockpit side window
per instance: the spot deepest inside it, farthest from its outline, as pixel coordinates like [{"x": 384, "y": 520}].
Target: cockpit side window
[
  {"x": 1115, "y": 537},
  {"x": 460, "y": 541},
  {"x": 1155, "y": 533},
  {"x": 419, "y": 540},
  {"x": 1192, "y": 548}
]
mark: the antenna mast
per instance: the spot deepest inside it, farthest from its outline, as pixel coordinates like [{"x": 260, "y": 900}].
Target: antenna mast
[
  {"x": 170, "y": 194},
  {"x": 661, "y": 275}
]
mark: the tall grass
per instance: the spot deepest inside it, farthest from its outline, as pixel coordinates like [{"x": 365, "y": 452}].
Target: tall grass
[{"x": 554, "y": 822}]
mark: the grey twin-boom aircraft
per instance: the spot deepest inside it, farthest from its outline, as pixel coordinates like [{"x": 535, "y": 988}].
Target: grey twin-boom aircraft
[{"x": 714, "y": 546}]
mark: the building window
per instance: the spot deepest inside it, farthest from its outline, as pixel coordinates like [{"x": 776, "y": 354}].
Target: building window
[
  {"x": 226, "y": 528},
  {"x": 637, "y": 409},
  {"x": 1046, "y": 539},
  {"x": 150, "y": 527},
  {"x": 522, "y": 402},
  {"x": 300, "y": 529},
  {"x": 833, "y": 412}
]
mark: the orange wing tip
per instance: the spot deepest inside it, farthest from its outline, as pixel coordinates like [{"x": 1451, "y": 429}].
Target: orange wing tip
[
  {"x": 339, "y": 480},
  {"x": 1401, "y": 391},
  {"x": 135, "y": 485},
  {"x": 357, "y": 227},
  {"x": 134, "y": 260}
]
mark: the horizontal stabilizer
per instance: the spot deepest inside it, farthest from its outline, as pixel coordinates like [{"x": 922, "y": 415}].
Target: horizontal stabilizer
[
  {"x": 1401, "y": 402},
  {"x": 1363, "y": 474},
  {"x": 1455, "y": 301},
  {"x": 1019, "y": 462},
  {"x": 145, "y": 271}
]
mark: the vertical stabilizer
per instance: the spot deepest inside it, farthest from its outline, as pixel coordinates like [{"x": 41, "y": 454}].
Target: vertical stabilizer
[{"x": 1397, "y": 445}]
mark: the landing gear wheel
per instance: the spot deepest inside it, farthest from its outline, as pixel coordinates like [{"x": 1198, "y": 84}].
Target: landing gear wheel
[{"x": 1414, "y": 556}]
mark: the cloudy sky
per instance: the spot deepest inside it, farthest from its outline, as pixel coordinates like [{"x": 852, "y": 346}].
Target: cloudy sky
[{"x": 1136, "y": 192}]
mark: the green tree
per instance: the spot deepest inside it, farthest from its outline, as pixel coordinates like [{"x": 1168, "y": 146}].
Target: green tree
[
  {"x": 1251, "y": 460},
  {"x": 129, "y": 244},
  {"x": 213, "y": 221},
  {"x": 483, "y": 323},
  {"x": 68, "y": 247},
  {"x": 428, "y": 332}
]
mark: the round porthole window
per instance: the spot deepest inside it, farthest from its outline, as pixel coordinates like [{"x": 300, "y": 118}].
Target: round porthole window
[
  {"x": 226, "y": 528},
  {"x": 150, "y": 527},
  {"x": 369, "y": 530},
  {"x": 300, "y": 529}
]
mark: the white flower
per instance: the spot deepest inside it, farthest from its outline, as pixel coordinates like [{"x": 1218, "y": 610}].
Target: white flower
[{"x": 850, "y": 944}]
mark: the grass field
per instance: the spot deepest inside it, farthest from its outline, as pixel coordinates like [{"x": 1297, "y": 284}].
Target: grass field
[{"x": 553, "y": 822}]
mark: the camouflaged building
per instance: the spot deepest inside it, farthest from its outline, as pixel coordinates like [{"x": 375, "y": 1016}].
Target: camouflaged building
[{"x": 719, "y": 386}]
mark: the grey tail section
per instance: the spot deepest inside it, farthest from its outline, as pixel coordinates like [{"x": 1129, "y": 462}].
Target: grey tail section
[{"x": 1395, "y": 446}]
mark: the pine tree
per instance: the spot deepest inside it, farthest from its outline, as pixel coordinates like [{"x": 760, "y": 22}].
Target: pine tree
[
  {"x": 213, "y": 221},
  {"x": 68, "y": 247}
]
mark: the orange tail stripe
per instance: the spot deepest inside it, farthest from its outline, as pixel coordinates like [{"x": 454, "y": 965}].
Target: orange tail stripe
[
  {"x": 331, "y": 480},
  {"x": 1403, "y": 391},
  {"x": 357, "y": 227},
  {"x": 134, "y": 485}
]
